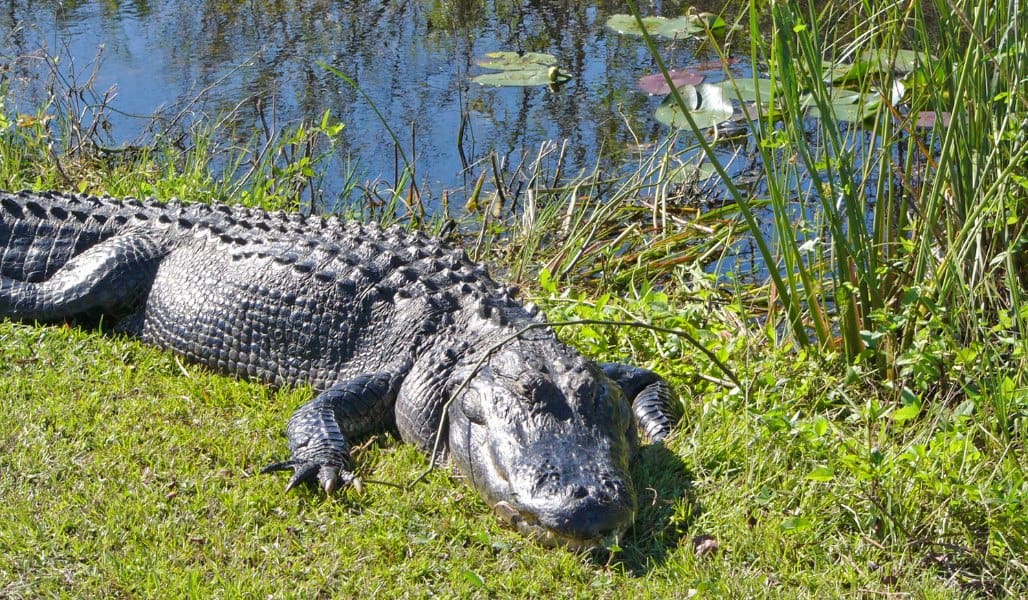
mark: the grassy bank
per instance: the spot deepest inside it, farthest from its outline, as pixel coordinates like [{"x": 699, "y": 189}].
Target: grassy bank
[{"x": 875, "y": 446}]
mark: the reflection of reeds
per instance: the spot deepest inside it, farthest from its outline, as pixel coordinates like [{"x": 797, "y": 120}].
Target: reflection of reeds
[{"x": 68, "y": 143}]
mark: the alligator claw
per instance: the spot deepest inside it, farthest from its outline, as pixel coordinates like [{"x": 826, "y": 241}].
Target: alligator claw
[{"x": 328, "y": 477}]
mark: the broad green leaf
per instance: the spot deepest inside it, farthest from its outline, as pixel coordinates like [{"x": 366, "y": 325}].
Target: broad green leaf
[
  {"x": 671, "y": 28},
  {"x": 706, "y": 104},
  {"x": 746, "y": 90},
  {"x": 529, "y": 68},
  {"x": 795, "y": 524},
  {"x": 821, "y": 474},
  {"x": 512, "y": 61},
  {"x": 474, "y": 578},
  {"x": 907, "y": 412},
  {"x": 835, "y": 72}
]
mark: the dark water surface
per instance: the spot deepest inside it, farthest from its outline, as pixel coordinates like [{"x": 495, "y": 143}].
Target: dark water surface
[{"x": 413, "y": 58}]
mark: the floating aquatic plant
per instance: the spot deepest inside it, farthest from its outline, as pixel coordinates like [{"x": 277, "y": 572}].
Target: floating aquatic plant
[
  {"x": 656, "y": 84},
  {"x": 706, "y": 104},
  {"x": 846, "y": 105},
  {"x": 746, "y": 89},
  {"x": 520, "y": 69},
  {"x": 693, "y": 23}
]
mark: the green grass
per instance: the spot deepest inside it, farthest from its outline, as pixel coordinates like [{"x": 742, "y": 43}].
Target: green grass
[
  {"x": 875, "y": 447},
  {"x": 127, "y": 473}
]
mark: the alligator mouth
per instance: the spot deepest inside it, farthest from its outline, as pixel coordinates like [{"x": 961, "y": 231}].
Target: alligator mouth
[{"x": 529, "y": 526}]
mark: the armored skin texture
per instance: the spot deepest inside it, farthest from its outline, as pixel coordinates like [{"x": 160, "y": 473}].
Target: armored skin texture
[{"x": 391, "y": 328}]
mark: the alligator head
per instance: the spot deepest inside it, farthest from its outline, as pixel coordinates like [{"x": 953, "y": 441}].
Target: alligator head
[{"x": 546, "y": 438}]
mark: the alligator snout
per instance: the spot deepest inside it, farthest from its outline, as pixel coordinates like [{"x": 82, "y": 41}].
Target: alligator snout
[
  {"x": 591, "y": 513},
  {"x": 579, "y": 516},
  {"x": 582, "y": 521}
]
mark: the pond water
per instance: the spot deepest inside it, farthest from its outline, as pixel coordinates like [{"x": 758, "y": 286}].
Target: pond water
[{"x": 262, "y": 61}]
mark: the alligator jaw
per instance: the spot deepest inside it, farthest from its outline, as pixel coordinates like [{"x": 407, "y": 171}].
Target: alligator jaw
[{"x": 530, "y": 528}]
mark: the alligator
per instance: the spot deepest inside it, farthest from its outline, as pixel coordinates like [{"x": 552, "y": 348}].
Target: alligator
[{"x": 391, "y": 329}]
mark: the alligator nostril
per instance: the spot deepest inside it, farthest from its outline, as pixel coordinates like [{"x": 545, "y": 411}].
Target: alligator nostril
[{"x": 580, "y": 492}]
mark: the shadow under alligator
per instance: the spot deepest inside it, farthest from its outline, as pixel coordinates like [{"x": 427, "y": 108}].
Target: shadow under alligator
[{"x": 667, "y": 509}]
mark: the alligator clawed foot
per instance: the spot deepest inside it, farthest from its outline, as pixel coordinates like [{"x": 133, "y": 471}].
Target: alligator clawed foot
[{"x": 328, "y": 477}]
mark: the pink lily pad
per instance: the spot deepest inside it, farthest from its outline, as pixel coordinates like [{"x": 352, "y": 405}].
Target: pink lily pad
[
  {"x": 656, "y": 84},
  {"x": 927, "y": 119}
]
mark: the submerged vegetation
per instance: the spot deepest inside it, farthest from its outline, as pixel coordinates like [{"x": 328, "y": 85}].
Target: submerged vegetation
[{"x": 857, "y": 425}]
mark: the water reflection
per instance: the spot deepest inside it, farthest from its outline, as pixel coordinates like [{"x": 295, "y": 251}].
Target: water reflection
[{"x": 413, "y": 58}]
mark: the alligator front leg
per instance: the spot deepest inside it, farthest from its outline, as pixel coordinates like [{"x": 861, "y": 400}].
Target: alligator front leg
[
  {"x": 650, "y": 396},
  {"x": 318, "y": 431}
]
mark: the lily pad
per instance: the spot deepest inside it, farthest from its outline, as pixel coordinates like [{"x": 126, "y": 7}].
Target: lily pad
[
  {"x": 837, "y": 72},
  {"x": 520, "y": 78},
  {"x": 903, "y": 61},
  {"x": 711, "y": 20},
  {"x": 847, "y": 105},
  {"x": 706, "y": 104},
  {"x": 927, "y": 119},
  {"x": 656, "y": 84},
  {"x": 519, "y": 70},
  {"x": 513, "y": 61},
  {"x": 670, "y": 28},
  {"x": 748, "y": 90}
]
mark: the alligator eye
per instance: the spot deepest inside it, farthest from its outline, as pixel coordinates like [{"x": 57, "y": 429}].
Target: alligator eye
[{"x": 535, "y": 387}]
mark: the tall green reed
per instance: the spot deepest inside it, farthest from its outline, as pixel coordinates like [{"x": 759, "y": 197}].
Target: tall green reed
[{"x": 941, "y": 248}]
